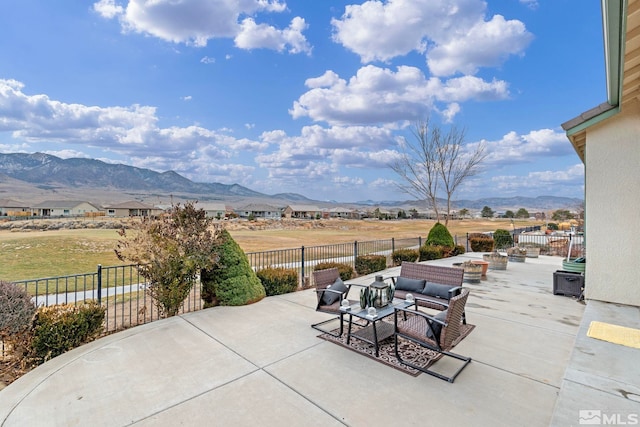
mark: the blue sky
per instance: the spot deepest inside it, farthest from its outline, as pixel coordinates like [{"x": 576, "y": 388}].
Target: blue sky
[{"x": 312, "y": 97}]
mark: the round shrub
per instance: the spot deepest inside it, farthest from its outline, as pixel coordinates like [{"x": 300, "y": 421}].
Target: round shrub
[
  {"x": 428, "y": 253},
  {"x": 439, "y": 236},
  {"x": 16, "y": 310},
  {"x": 231, "y": 281},
  {"x": 278, "y": 281},
  {"x": 346, "y": 271},
  {"x": 480, "y": 242},
  {"x": 400, "y": 255},
  {"x": 502, "y": 239},
  {"x": 367, "y": 264},
  {"x": 458, "y": 250},
  {"x": 60, "y": 328}
]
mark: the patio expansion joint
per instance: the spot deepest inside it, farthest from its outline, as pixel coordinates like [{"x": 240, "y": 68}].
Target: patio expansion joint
[{"x": 263, "y": 369}]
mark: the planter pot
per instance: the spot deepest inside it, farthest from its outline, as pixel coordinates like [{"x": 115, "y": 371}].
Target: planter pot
[
  {"x": 533, "y": 252},
  {"x": 472, "y": 273},
  {"x": 517, "y": 254},
  {"x": 485, "y": 267},
  {"x": 517, "y": 258},
  {"x": 572, "y": 266},
  {"x": 496, "y": 261}
]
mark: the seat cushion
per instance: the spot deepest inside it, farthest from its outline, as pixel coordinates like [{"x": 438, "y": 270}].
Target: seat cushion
[
  {"x": 436, "y": 290},
  {"x": 329, "y": 298},
  {"x": 437, "y": 327},
  {"x": 409, "y": 285}
]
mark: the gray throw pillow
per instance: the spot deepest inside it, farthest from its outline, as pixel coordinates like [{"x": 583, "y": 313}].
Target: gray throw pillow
[
  {"x": 329, "y": 298},
  {"x": 436, "y": 290},
  {"x": 437, "y": 327},
  {"x": 409, "y": 285}
]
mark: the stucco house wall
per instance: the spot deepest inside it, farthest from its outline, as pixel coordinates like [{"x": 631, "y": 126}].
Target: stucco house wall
[{"x": 612, "y": 223}]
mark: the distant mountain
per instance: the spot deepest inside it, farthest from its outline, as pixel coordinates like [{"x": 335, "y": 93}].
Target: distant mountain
[
  {"x": 540, "y": 203},
  {"x": 40, "y": 176},
  {"x": 52, "y": 172}
]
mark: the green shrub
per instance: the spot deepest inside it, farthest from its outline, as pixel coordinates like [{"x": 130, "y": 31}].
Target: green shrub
[
  {"x": 231, "y": 281},
  {"x": 458, "y": 250},
  {"x": 400, "y": 255},
  {"x": 481, "y": 242},
  {"x": 16, "y": 310},
  {"x": 60, "y": 328},
  {"x": 439, "y": 236},
  {"x": 428, "y": 253},
  {"x": 502, "y": 239},
  {"x": 346, "y": 271},
  {"x": 367, "y": 264},
  {"x": 278, "y": 281}
]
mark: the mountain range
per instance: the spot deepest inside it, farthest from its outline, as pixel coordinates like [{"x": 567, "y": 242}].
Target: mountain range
[{"x": 38, "y": 177}]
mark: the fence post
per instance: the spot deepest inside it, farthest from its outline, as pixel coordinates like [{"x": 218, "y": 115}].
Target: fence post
[
  {"x": 302, "y": 264},
  {"x": 467, "y": 242},
  {"x": 419, "y": 241},
  {"x": 355, "y": 253},
  {"x": 99, "y": 283},
  {"x": 393, "y": 245}
]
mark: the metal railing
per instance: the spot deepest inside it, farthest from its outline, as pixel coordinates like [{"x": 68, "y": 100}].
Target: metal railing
[
  {"x": 305, "y": 258},
  {"x": 555, "y": 243},
  {"x": 121, "y": 290}
]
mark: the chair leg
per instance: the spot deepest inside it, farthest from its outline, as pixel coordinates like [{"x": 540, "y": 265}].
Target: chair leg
[
  {"x": 316, "y": 326},
  {"x": 450, "y": 379}
]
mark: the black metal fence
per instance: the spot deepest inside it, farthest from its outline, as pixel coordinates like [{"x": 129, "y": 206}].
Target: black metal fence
[
  {"x": 121, "y": 290},
  {"x": 554, "y": 243}
]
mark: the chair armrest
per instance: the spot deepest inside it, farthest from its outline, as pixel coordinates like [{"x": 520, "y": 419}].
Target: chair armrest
[
  {"x": 454, "y": 292},
  {"x": 393, "y": 279},
  {"x": 433, "y": 300},
  {"x": 428, "y": 318}
]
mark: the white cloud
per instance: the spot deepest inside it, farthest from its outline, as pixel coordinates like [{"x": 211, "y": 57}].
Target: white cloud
[
  {"x": 380, "y": 95},
  {"x": 442, "y": 29},
  {"x": 208, "y": 60},
  {"x": 129, "y": 131},
  {"x": 531, "y": 4},
  {"x": 255, "y": 36},
  {"x": 196, "y": 22},
  {"x": 529, "y": 148},
  {"x": 186, "y": 98},
  {"x": 486, "y": 44},
  {"x": 108, "y": 8}
]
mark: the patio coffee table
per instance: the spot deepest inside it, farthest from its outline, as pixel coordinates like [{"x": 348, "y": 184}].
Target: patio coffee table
[{"x": 376, "y": 330}]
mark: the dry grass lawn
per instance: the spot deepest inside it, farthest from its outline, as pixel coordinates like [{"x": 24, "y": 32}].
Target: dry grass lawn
[{"x": 36, "y": 254}]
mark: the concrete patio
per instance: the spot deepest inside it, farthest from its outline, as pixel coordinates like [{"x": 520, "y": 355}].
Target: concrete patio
[{"x": 264, "y": 365}]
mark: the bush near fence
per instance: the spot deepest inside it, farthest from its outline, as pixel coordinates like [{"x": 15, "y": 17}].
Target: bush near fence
[
  {"x": 400, "y": 255},
  {"x": 367, "y": 264},
  {"x": 345, "y": 270},
  {"x": 278, "y": 281}
]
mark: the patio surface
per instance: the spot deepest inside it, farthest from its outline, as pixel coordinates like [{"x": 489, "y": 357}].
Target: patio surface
[{"x": 264, "y": 365}]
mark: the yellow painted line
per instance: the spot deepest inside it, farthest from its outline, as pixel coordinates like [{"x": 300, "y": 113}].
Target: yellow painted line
[{"x": 616, "y": 334}]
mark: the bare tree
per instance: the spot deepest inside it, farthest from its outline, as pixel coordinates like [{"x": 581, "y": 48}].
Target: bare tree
[{"x": 435, "y": 163}]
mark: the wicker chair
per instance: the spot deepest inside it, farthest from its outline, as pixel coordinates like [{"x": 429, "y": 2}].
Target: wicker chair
[
  {"x": 422, "y": 329},
  {"x": 448, "y": 276},
  {"x": 323, "y": 279}
]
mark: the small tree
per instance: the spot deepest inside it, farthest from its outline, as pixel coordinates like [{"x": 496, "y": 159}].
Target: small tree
[
  {"x": 439, "y": 235},
  {"x": 509, "y": 214},
  {"x": 464, "y": 212},
  {"x": 435, "y": 163},
  {"x": 522, "y": 213},
  {"x": 487, "y": 212},
  {"x": 170, "y": 252},
  {"x": 231, "y": 281}
]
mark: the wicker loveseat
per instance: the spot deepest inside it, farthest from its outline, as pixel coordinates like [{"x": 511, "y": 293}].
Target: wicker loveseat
[{"x": 431, "y": 285}]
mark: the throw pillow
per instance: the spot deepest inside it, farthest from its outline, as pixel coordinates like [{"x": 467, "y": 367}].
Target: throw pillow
[
  {"x": 437, "y": 327},
  {"x": 329, "y": 298},
  {"x": 409, "y": 285},
  {"x": 436, "y": 290}
]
